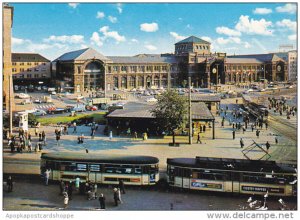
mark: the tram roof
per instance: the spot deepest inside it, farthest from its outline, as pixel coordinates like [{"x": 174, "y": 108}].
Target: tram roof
[
  {"x": 231, "y": 164},
  {"x": 100, "y": 158}
]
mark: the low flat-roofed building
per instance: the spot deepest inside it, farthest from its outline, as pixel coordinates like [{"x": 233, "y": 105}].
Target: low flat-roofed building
[{"x": 136, "y": 115}]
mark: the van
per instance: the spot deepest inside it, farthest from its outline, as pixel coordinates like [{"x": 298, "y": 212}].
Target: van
[{"x": 79, "y": 108}]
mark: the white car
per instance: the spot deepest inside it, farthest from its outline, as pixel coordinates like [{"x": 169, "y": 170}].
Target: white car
[
  {"x": 37, "y": 101},
  {"x": 53, "y": 93},
  {"x": 23, "y": 96},
  {"x": 151, "y": 100},
  {"x": 39, "y": 112}
]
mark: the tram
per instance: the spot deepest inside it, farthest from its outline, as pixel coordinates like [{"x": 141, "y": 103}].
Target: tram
[
  {"x": 99, "y": 168},
  {"x": 232, "y": 175}
]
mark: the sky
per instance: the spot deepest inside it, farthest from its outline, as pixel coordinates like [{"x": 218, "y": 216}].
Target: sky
[{"x": 127, "y": 29}]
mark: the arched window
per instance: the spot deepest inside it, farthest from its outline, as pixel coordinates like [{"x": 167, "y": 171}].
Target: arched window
[
  {"x": 140, "y": 81},
  {"x": 124, "y": 82},
  {"x": 148, "y": 81},
  {"x": 116, "y": 82},
  {"x": 164, "y": 81},
  {"x": 132, "y": 82},
  {"x": 156, "y": 81}
]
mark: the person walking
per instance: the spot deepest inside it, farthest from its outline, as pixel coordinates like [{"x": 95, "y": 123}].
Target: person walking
[
  {"x": 62, "y": 187},
  {"x": 257, "y": 133},
  {"x": 47, "y": 175},
  {"x": 233, "y": 134},
  {"x": 252, "y": 127},
  {"x": 77, "y": 183},
  {"x": 121, "y": 186},
  {"x": 268, "y": 146},
  {"x": 199, "y": 138},
  {"x": 66, "y": 200},
  {"x": 102, "y": 201},
  {"x": 266, "y": 124},
  {"x": 70, "y": 190},
  {"x": 9, "y": 183},
  {"x": 116, "y": 196},
  {"x": 74, "y": 127},
  {"x": 241, "y": 142},
  {"x": 276, "y": 140},
  {"x": 119, "y": 195},
  {"x": 204, "y": 128}
]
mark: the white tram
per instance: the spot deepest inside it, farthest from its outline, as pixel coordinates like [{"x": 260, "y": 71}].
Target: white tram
[
  {"x": 99, "y": 168},
  {"x": 232, "y": 175}
]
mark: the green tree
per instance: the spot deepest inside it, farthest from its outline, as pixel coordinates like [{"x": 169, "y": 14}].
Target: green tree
[{"x": 171, "y": 111}]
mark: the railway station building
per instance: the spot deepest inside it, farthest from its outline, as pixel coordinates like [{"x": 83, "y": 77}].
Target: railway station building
[{"x": 88, "y": 70}]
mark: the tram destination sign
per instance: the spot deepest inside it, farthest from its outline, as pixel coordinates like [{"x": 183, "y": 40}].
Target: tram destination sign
[
  {"x": 206, "y": 185},
  {"x": 262, "y": 189}
]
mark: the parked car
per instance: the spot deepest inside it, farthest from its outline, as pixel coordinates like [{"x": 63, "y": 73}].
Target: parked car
[
  {"x": 38, "y": 101},
  {"x": 54, "y": 110},
  {"x": 53, "y": 93},
  {"x": 151, "y": 100},
  {"x": 79, "y": 108},
  {"x": 26, "y": 101},
  {"x": 39, "y": 112},
  {"x": 91, "y": 108},
  {"x": 23, "y": 96}
]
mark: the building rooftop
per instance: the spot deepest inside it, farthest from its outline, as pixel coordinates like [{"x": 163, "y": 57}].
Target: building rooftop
[
  {"x": 140, "y": 110},
  {"x": 83, "y": 54},
  {"x": 237, "y": 60},
  {"x": 261, "y": 57},
  {"x": 193, "y": 39},
  {"x": 28, "y": 57},
  {"x": 204, "y": 97},
  {"x": 143, "y": 58}
]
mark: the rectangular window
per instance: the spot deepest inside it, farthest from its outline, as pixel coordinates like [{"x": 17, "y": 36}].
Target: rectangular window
[
  {"x": 36, "y": 75},
  {"x": 28, "y": 75},
  {"x": 36, "y": 63},
  {"x": 28, "y": 64},
  {"x": 21, "y": 76},
  {"x": 142, "y": 68},
  {"x": 123, "y": 68},
  {"x": 14, "y": 70},
  {"x": 115, "y": 68},
  {"x": 156, "y": 68},
  {"x": 148, "y": 68},
  {"x": 36, "y": 69},
  {"x": 81, "y": 167},
  {"x": 22, "y": 70},
  {"x": 21, "y": 64},
  {"x": 95, "y": 168},
  {"x": 109, "y": 69},
  {"x": 164, "y": 68},
  {"x": 14, "y": 63}
]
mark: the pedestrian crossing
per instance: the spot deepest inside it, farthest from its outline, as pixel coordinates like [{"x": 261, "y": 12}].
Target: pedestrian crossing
[{"x": 44, "y": 107}]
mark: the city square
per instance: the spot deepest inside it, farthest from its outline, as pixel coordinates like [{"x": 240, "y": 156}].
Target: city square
[{"x": 196, "y": 128}]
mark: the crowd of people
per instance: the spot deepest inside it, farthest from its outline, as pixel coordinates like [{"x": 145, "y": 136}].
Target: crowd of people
[{"x": 280, "y": 106}]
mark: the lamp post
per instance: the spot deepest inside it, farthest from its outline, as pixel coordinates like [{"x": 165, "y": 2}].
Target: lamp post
[{"x": 190, "y": 113}]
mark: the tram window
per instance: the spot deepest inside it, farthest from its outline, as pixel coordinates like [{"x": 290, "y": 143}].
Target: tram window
[
  {"x": 186, "y": 173},
  {"x": 137, "y": 170},
  {"x": 178, "y": 171},
  {"x": 81, "y": 167},
  {"x": 95, "y": 167},
  {"x": 195, "y": 175},
  {"x": 146, "y": 169},
  {"x": 235, "y": 176},
  {"x": 67, "y": 166},
  {"x": 154, "y": 168}
]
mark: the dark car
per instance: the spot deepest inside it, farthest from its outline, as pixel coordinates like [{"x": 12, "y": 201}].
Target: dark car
[{"x": 56, "y": 110}]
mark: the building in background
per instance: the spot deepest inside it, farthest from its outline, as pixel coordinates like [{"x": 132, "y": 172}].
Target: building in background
[
  {"x": 7, "y": 22},
  {"x": 88, "y": 70},
  {"x": 30, "y": 69},
  {"x": 291, "y": 58}
]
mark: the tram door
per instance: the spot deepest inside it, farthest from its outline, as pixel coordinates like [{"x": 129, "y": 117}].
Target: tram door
[
  {"x": 235, "y": 177},
  {"x": 171, "y": 176},
  {"x": 152, "y": 173}
]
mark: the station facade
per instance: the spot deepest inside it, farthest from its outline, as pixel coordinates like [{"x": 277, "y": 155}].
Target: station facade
[{"x": 88, "y": 70}]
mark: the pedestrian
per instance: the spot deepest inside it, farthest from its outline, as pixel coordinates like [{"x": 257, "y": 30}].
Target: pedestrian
[
  {"x": 268, "y": 146},
  {"x": 77, "y": 183},
  {"x": 233, "y": 134},
  {"x": 110, "y": 135},
  {"x": 244, "y": 129},
  {"x": 36, "y": 130},
  {"x": 252, "y": 127},
  {"x": 200, "y": 128},
  {"x": 276, "y": 140},
  {"x": 257, "y": 133},
  {"x": 102, "y": 201},
  {"x": 66, "y": 200},
  {"x": 57, "y": 139},
  {"x": 119, "y": 195},
  {"x": 121, "y": 186},
  {"x": 29, "y": 136},
  {"x": 199, "y": 138},
  {"x": 135, "y": 135},
  {"x": 74, "y": 127},
  {"x": 47, "y": 175},
  {"x": 116, "y": 196},
  {"x": 70, "y": 190},
  {"x": 82, "y": 137},
  {"x": 40, "y": 136},
  {"x": 62, "y": 187},
  {"x": 65, "y": 130},
  {"x": 29, "y": 146},
  {"x": 236, "y": 101},
  {"x": 241, "y": 142},
  {"x": 128, "y": 131},
  {"x": 9, "y": 183},
  {"x": 204, "y": 128}
]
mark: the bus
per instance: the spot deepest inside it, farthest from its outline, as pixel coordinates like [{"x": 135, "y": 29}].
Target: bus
[
  {"x": 99, "y": 168},
  {"x": 232, "y": 175}
]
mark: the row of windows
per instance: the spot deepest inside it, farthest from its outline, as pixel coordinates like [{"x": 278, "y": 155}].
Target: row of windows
[
  {"x": 28, "y": 63},
  {"x": 226, "y": 175},
  {"x": 22, "y": 76},
  {"x": 14, "y": 70},
  {"x": 136, "y": 68},
  {"x": 104, "y": 168},
  {"x": 184, "y": 47}
]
